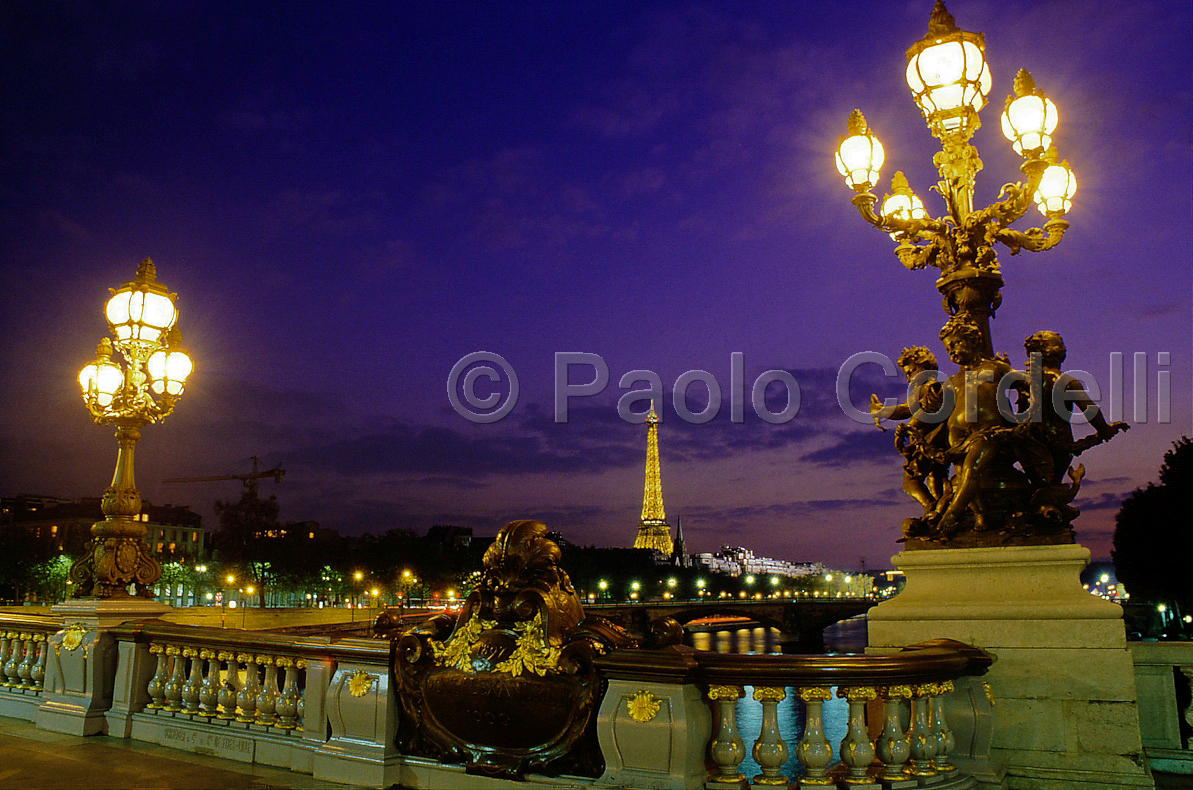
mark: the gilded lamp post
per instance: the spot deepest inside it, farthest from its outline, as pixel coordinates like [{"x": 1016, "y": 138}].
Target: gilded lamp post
[
  {"x": 141, "y": 316},
  {"x": 986, "y": 473}
]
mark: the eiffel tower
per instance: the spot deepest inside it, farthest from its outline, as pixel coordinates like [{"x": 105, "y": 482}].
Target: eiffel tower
[{"x": 653, "y": 531}]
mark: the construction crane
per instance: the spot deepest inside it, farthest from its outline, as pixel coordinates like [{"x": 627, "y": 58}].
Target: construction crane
[{"x": 250, "y": 480}]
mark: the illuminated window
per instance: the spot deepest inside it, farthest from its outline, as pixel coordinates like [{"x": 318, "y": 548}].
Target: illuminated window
[
  {"x": 171, "y": 547},
  {"x": 54, "y": 530},
  {"x": 311, "y": 535}
]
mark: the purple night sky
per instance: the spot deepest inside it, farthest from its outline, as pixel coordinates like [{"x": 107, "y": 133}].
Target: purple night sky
[{"x": 349, "y": 199}]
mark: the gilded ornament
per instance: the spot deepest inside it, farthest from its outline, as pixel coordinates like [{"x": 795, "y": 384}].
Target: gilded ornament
[
  {"x": 725, "y": 692},
  {"x": 857, "y": 693},
  {"x": 989, "y": 693},
  {"x": 359, "y": 683},
  {"x": 895, "y": 692},
  {"x": 770, "y": 693},
  {"x": 642, "y": 706},
  {"x": 815, "y": 694},
  {"x": 73, "y": 636}
]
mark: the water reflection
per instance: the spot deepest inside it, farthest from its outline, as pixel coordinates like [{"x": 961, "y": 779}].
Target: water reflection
[
  {"x": 848, "y": 636},
  {"x": 750, "y": 639}
]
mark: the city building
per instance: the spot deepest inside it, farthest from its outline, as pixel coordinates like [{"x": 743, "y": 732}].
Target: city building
[
  {"x": 64, "y": 525},
  {"x": 737, "y": 560}
]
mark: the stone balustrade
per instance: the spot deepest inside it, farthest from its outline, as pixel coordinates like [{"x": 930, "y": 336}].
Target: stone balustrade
[
  {"x": 224, "y": 685},
  {"x": 24, "y": 648},
  {"x": 1163, "y": 679},
  {"x": 898, "y": 731},
  {"x": 669, "y": 718}
]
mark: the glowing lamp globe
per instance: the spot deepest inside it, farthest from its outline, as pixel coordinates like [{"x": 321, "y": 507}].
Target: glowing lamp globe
[
  {"x": 101, "y": 380},
  {"x": 948, "y": 76},
  {"x": 1030, "y": 118},
  {"x": 1054, "y": 196},
  {"x": 860, "y": 155},
  {"x": 141, "y": 311},
  {"x": 168, "y": 370},
  {"x": 903, "y": 204}
]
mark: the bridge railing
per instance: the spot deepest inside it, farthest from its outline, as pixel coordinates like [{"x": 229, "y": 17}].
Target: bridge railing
[
  {"x": 668, "y": 718},
  {"x": 253, "y": 696},
  {"x": 1163, "y": 679},
  {"x": 24, "y": 647},
  {"x": 900, "y": 706}
]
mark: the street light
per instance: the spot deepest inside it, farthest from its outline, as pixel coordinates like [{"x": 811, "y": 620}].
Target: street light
[
  {"x": 358, "y": 576},
  {"x": 950, "y": 81},
  {"x": 231, "y": 580},
  {"x": 244, "y": 607},
  {"x": 141, "y": 317}
]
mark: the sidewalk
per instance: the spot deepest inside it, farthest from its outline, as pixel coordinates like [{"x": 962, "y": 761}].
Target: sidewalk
[{"x": 31, "y": 759}]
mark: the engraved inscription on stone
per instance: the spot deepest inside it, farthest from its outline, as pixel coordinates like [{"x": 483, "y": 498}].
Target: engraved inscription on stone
[{"x": 229, "y": 747}]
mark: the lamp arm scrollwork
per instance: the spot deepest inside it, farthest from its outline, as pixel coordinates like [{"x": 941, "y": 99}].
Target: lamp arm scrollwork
[{"x": 1034, "y": 239}]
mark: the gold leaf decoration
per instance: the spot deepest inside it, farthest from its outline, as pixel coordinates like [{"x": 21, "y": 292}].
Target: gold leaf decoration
[
  {"x": 359, "y": 683},
  {"x": 74, "y": 636},
  {"x": 642, "y": 707}
]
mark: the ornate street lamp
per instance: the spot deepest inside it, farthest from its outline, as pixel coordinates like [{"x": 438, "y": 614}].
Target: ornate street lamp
[
  {"x": 1002, "y": 483},
  {"x": 141, "y": 316}
]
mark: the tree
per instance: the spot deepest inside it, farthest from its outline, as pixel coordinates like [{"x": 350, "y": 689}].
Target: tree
[
  {"x": 1153, "y": 540},
  {"x": 251, "y": 538}
]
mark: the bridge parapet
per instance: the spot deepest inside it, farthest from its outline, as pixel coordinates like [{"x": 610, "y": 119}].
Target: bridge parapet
[{"x": 696, "y": 694}]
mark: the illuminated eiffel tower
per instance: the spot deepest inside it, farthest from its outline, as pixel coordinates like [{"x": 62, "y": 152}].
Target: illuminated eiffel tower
[{"x": 653, "y": 532}]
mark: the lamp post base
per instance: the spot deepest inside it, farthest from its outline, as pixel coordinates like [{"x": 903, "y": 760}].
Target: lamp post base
[
  {"x": 1062, "y": 685},
  {"x": 81, "y": 662}
]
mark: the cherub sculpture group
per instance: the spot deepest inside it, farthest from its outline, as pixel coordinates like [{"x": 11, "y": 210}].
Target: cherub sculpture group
[{"x": 988, "y": 450}]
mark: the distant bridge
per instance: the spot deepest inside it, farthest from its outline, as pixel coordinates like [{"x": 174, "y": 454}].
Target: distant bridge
[{"x": 800, "y": 622}]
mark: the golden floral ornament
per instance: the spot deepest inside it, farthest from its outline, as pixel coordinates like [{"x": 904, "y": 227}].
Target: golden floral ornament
[
  {"x": 359, "y": 683},
  {"x": 642, "y": 706},
  {"x": 73, "y": 636},
  {"x": 532, "y": 652}
]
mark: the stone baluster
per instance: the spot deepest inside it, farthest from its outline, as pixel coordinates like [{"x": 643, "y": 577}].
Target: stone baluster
[
  {"x": 893, "y": 745},
  {"x": 300, "y": 665},
  {"x": 5, "y": 646},
  {"x": 770, "y": 750},
  {"x": 267, "y": 697},
  {"x": 39, "y": 668},
  {"x": 227, "y": 693},
  {"x": 287, "y": 703},
  {"x": 209, "y": 690},
  {"x": 857, "y": 751},
  {"x": 25, "y": 668},
  {"x": 246, "y": 699},
  {"x": 923, "y": 740},
  {"x": 814, "y": 752},
  {"x": 177, "y": 679},
  {"x": 945, "y": 740},
  {"x": 13, "y": 659},
  {"x": 727, "y": 748},
  {"x": 157, "y": 684},
  {"x": 194, "y": 680}
]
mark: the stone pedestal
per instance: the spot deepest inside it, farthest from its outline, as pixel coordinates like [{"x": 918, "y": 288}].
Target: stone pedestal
[
  {"x": 654, "y": 735},
  {"x": 1063, "y": 684},
  {"x": 81, "y": 663},
  {"x": 362, "y": 711}
]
